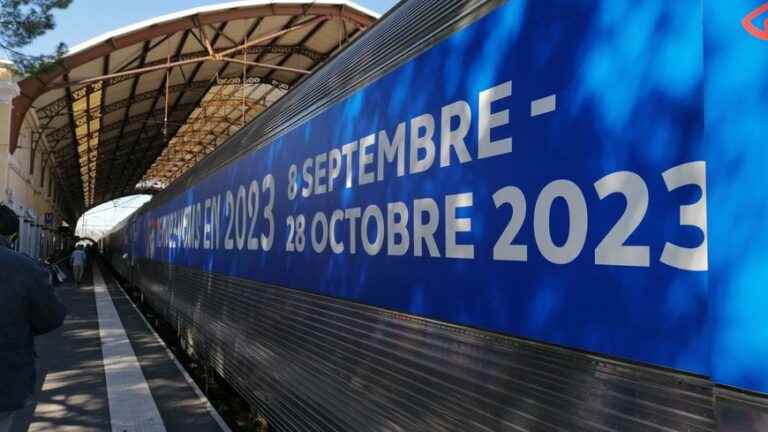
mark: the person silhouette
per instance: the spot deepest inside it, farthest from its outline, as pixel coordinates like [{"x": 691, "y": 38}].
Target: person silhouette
[
  {"x": 79, "y": 260},
  {"x": 28, "y": 308}
]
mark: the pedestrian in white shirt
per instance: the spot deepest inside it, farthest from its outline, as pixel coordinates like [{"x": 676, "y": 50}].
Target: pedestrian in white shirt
[{"x": 79, "y": 259}]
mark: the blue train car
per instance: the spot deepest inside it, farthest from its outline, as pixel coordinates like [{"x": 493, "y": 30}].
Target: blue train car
[{"x": 485, "y": 216}]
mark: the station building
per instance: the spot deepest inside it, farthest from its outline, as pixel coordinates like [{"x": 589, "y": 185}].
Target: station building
[{"x": 29, "y": 178}]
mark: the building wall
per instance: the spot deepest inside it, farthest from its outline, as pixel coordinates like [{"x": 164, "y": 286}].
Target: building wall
[{"x": 27, "y": 184}]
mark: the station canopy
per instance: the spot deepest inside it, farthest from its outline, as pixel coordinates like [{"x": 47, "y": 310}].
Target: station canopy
[{"x": 131, "y": 110}]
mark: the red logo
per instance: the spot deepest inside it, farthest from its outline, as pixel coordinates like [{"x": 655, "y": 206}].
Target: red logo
[{"x": 760, "y": 33}]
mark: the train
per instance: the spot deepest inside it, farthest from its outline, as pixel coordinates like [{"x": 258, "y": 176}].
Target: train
[{"x": 487, "y": 215}]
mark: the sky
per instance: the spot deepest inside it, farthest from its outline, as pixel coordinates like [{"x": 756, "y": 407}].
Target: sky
[
  {"x": 86, "y": 19},
  {"x": 102, "y": 218}
]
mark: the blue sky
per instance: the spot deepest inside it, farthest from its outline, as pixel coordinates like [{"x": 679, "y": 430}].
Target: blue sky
[{"x": 86, "y": 19}]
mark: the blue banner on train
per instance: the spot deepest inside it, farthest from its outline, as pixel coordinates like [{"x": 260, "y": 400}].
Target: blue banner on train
[
  {"x": 540, "y": 173},
  {"x": 736, "y": 109}
]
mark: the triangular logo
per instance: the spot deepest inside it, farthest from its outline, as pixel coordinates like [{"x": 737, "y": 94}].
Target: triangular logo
[{"x": 751, "y": 28}]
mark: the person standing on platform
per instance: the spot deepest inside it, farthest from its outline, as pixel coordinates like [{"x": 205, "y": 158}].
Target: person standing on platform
[
  {"x": 79, "y": 259},
  {"x": 28, "y": 308}
]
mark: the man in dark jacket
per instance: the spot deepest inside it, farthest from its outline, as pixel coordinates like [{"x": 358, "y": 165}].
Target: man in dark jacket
[{"x": 28, "y": 307}]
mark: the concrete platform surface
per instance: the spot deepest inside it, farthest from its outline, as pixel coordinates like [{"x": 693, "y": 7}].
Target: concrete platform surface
[{"x": 105, "y": 369}]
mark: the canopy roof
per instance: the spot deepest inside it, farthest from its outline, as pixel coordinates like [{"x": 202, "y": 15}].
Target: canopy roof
[{"x": 131, "y": 110}]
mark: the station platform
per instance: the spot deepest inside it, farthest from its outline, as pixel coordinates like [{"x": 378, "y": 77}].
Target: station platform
[{"x": 106, "y": 369}]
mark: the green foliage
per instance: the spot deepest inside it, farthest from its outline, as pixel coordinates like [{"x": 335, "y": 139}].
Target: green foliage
[
  {"x": 37, "y": 64},
  {"x": 21, "y": 21}
]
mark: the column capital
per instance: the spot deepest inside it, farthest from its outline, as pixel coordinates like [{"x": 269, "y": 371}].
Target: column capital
[{"x": 8, "y": 87}]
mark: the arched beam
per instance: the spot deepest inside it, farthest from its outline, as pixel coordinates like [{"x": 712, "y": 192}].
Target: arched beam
[
  {"x": 56, "y": 108},
  {"x": 32, "y": 88}
]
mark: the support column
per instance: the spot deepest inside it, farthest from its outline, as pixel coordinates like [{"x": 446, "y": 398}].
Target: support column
[{"x": 8, "y": 91}]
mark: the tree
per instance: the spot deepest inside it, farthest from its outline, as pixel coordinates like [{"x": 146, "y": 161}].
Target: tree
[{"x": 21, "y": 21}]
